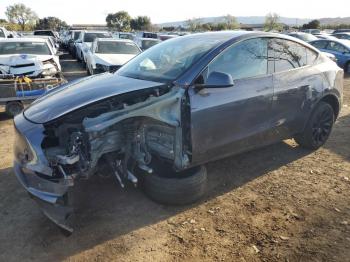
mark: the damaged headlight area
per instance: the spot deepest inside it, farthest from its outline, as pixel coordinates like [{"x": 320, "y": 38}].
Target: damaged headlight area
[{"x": 126, "y": 133}]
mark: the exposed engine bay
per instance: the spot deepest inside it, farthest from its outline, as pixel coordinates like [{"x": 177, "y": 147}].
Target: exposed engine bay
[{"x": 125, "y": 131}]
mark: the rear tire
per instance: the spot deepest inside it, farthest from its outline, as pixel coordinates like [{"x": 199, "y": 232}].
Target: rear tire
[
  {"x": 13, "y": 108},
  {"x": 184, "y": 188},
  {"x": 318, "y": 128}
]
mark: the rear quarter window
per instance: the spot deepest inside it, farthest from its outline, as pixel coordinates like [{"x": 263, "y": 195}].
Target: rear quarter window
[{"x": 288, "y": 55}]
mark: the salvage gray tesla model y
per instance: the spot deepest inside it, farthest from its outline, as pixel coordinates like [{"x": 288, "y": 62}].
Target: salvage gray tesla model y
[{"x": 178, "y": 105}]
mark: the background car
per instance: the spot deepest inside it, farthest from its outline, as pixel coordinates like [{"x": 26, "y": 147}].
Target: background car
[
  {"x": 325, "y": 36},
  {"x": 32, "y": 57},
  {"x": 73, "y": 37},
  {"x": 47, "y": 33},
  {"x": 145, "y": 43},
  {"x": 4, "y": 33},
  {"x": 345, "y": 35},
  {"x": 303, "y": 36},
  {"x": 108, "y": 55},
  {"x": 339, "y": 48},
  {"x": 84, "y": 42}
]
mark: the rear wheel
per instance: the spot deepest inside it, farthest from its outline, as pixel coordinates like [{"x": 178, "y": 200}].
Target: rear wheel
[
  {"x": 14, "y": 108},
  {"x": 318, "y": 128},
  {"x": 184, "y": 188}
]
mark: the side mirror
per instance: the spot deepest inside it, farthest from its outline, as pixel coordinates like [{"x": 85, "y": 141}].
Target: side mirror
[
  {"x": 59, "y": 53},
  {"x": 10, "y": 36},
  {"x": 79, "y": 41},
  {"x": 218, "y": 79}
]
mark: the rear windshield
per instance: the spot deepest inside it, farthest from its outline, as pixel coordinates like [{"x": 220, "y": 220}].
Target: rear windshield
[
  {"x": 32, "y": 48},
  {"x": 110, "y": 47},
  {"x": 90, "y": 37},
  {"x": 149, "y": 43},
  {"x": 48, "y": 33},
  {"x": 126, "y": 36}
]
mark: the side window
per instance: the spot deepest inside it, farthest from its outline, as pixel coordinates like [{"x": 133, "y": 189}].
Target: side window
[
  {"x": 311, "y": 56},
  {"x": 336, "y": 47},
  {"x": 288, "y": 55},
  {"x": 243, "y": 60},
  {"x": 319, "y": 44}
]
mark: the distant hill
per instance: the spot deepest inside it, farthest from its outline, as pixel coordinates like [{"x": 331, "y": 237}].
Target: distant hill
[
  {"x": 335, "y": 21},
  {"x": 260, "y": 20},
  {"x": 240, "y": 19}
]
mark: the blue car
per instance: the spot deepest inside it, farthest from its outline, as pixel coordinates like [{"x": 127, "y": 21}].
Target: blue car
[{"x": 340, "y": 48}]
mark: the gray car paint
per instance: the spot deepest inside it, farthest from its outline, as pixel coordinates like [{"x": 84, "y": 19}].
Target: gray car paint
[{"x": 222, "y": 121}]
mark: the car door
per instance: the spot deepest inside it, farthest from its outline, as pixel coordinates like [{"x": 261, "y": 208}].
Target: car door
[
  {"x": 295, "y": 81},
  {"x": 233, "y": 119},
  {"x": 339, "y": 51}
]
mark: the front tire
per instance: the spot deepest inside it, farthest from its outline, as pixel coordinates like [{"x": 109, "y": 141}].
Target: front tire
[
  {"x": 184, "y": 188},
  {"x": 318, "y": 128}
]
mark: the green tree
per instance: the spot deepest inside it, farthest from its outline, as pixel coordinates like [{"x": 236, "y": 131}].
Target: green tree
[
  {"x": 119, "y": 21},
  {"x": 231, "y": 22},
  {"x": 51, "y": 23},
  {"x": 3, "y": 21},
  {"x": 314, "y": 24},
  {"x": 272, "y": 22},
  {"x": 20, "y": 14},
  {"x": 141, "y": 23},
  {"x": 193, "y": 24}
]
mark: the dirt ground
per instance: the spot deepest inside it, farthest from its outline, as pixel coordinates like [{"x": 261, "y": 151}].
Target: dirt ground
[{"x": 279, "y": 203}]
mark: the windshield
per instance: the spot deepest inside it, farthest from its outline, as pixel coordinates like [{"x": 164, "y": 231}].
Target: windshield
[
  {"x": 76, "y": 35},
  {"x": 149, "y": 43},
  {"x": 166, "y": 61},
  {"x": 126, "y": 36},
  {"x": 2, "y": 34},
  {"x": 90, "y": 37},
  {"x": 110, "y": 47},
  {"x": 33, "y": 48},
  {"x": 47, "y": 33}
]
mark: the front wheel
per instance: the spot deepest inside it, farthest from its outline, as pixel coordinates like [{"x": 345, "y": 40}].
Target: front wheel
[
  {"x": 184, "y": 188},
  {"x": 318, "y": 128}
]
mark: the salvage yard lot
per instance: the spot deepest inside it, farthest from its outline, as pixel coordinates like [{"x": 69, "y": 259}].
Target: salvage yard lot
[{"x": 279, "y": 203}]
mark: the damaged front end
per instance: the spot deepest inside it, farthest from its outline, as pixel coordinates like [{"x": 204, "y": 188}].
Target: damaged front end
[
  {"x": 29, "y": 65},
  {"x": 128, "y": 132}
]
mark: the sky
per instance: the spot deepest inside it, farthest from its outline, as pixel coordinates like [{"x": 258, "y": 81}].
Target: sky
[{"x": 95, "y": 11}]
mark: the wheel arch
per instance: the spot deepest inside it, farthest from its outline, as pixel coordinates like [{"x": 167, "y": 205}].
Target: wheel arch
[{"x": 333, "y": 101}]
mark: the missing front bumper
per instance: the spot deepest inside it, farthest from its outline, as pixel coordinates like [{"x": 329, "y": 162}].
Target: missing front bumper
[{"x": 51, "y": 197}]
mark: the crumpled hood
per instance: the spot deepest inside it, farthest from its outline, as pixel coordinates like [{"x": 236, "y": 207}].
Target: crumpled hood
[
  {"x": 112, "y": 59},
  {"x": 22, "y": 64},
  {"x": 71, "y": 96}
]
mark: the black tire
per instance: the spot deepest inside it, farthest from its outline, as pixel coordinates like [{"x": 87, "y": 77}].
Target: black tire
[
  {"x": 186, "y": 188},
  {"x": 13, "y": 108},
  {"x": 318, "y": 128}
]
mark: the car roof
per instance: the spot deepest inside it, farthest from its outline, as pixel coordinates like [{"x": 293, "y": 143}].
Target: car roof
[
  {"x": 342, "y": 33},
  {"x": 340, "y": 41},
  {"x": 113, "y": 40},
  {"x": 91, "y": 31}
]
